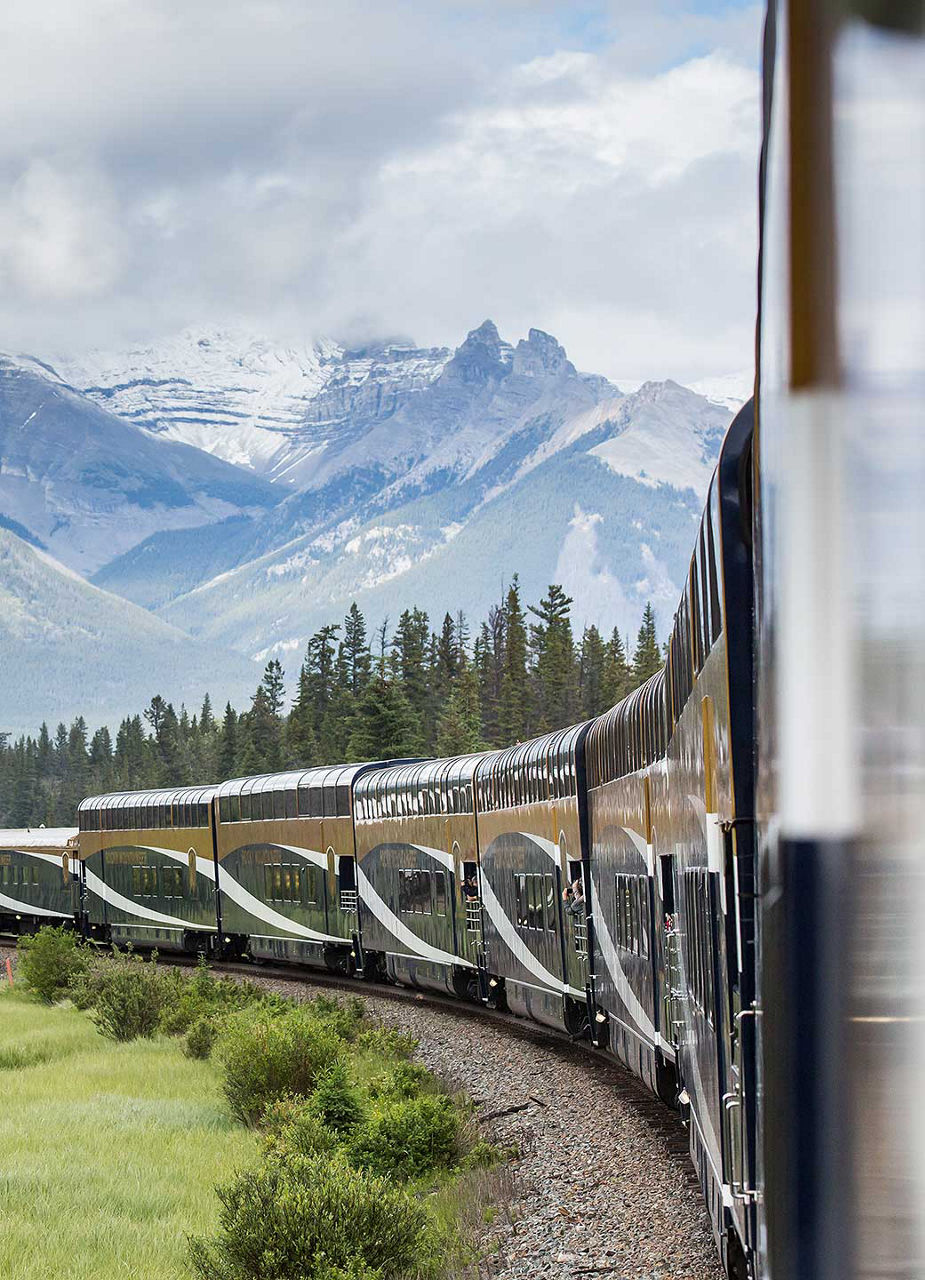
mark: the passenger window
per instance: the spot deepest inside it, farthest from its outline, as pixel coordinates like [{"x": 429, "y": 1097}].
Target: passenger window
[{"x": 440, "y": 893}]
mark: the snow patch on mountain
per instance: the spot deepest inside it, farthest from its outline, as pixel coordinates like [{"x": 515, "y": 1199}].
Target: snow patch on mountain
[
  {"x": 731, "y": 390},
  {"x": 671, "y": 438}
]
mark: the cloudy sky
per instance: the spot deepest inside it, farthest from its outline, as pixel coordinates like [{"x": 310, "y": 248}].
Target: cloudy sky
[{"x": 363, "y": 168}]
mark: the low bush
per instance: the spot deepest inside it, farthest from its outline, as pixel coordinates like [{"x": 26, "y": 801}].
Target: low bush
[
  {"x": 203, "y": 996},
  {"x": 265, "y": 1057},
  {"x": 315, "y": 1218},
  {"x": 391, "y": 1044},
  {"x": 128, "y": 997},
  {"x": 200, "y": 1038},
  {"x": 292, "y": 1128},
  {"x": 404, "y": 1080},
  {"x": 49, "y": 961},
  {"x": 346, "y": 1018},
  {"x": 336, "y": 1102},
  {"x": 408, "y": 1138}
]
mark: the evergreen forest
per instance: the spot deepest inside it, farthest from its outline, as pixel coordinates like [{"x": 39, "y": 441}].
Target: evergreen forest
[{"x": 408, "y": 691}]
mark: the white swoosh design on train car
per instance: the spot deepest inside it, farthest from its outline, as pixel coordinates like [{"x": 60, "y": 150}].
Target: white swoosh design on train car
[
  {"x": 516, "y": 945},
  {"x": 314, "y": 856},
  {"x": 102, "y": 890},
  {"x": 385, "y": 915},
  {"x": 641, "y": 846},
  {"x": 237, "y": 893},
  {"x": 615, "y": 969},
  {"x": 26, "y": 908}
]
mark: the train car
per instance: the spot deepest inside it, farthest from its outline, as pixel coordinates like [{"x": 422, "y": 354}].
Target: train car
[
  {"x": 147, "y": 868},
  {"x": 635, "y": 961},
  {"x": 36, "y": 878},
  {"x": 286, "y": 858},
  {"x": 533, "y": 856},
  {"x": 417, "y": 858},
  {"x": 703, "y": 827}
]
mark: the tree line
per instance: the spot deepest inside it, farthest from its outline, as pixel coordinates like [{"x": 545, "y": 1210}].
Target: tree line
[{"x": 415, "y": 692}]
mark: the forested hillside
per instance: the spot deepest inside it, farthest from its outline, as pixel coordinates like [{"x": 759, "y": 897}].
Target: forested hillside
[{"x": 412, "y": 690}]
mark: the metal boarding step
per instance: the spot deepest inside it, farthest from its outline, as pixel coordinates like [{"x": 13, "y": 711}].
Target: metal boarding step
[{"x": 348, "y": 901}]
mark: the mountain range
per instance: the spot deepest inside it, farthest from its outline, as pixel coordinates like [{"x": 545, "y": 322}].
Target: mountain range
[{"x": 244, "y": 492}]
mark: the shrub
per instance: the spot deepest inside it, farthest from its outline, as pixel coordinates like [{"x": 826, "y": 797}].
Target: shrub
[
  {"x": 314, "y": 1219},
  {"x": 346, "y": 1018},
  {"x": 391, "y": 1044},
  {"x": 405, "y": 1080},
  {"x": 265, "y": 1057},
  {"x": 50, "y": 960},
  {"x": 336, "y": 1102},
  {"x": 294, "y": 1129},
  {"x": 408, "y": 1138},
  {"x": 203, "y": 996},
  {"x": 128, "y": 997},
  {"x": 200, "y": 1039}
]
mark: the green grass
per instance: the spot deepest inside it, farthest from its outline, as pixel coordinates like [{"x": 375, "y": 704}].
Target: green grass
[{"x": 109, "y": 1153}]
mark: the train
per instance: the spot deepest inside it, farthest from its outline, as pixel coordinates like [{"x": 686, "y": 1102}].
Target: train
[{"x": 717, "y": 881}]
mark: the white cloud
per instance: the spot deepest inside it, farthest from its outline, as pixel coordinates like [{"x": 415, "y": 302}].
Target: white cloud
[{"x": 382, "y": 167}]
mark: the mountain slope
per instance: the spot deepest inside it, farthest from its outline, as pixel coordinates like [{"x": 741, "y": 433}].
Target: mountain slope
[
  {"x": 614, "y": 540},
  {"x": 88, "y": 485},
  {"x": 67, "y": 648}
]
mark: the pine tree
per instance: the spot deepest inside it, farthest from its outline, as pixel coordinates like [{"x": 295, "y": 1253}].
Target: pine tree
[
  {"x": 301, "y": 748},
  {"x": 410, "y": 652},
  {"x": 554, "y": 668},
  {"x": 384, "y": 726},
  {"x": 206, "y": 719},
  {"x": 228, "y": 744},
  {"x": 593, "y": 674},
  {"x": 488, "y": 658},
  {"x": 647, "y": 659},
  {"x": 459, "y": 729},
  {"x": 355, "y": 649},
  {"x": 618, "y": 677},
  {"x": 514, "y": 700}
]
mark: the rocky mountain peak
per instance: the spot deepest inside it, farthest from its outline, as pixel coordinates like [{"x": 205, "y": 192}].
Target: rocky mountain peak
[
  {"x": 483, "y": 357},
  {"x": 540, "y": 355}
]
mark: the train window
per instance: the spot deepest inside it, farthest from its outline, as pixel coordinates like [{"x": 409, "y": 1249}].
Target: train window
[
  {"x": 329, "y": 801},
  {"x": 415, "y": 892},
  {"x": 291, "y": 803},
  {"x": 713, "y": 548},
  {"x": 144, "y": 882},
  {"x": 224, "y": 809},
  {"x": 520, "y": 898},
  {"x": 171, "y": 882},
  {"x": 439, "y": 893},
  {"x": 696, "y": 628},
  {"x": 278, "y": 804},
  {"x": 551, "y": 903},
  {"x": 642, "y": 889}
]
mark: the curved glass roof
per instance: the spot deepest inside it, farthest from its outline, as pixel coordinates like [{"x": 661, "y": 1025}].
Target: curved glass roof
[
  {"x": 298, "y": 779},
  {"x": 419, "y": 773},
  {"x": 536, "y": 749},
  {"x": 137, "y": 799}
]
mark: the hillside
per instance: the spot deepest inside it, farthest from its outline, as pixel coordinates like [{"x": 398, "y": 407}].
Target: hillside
[
  {"x": 89, "y": 485},
  {"x": 68, "y": 648}
]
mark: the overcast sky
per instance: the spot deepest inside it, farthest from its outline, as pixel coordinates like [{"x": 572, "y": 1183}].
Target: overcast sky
[{"x": 362, "y": 168}]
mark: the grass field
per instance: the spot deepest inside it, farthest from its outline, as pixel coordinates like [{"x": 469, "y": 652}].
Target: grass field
[{"x": 109, "y": 1153}]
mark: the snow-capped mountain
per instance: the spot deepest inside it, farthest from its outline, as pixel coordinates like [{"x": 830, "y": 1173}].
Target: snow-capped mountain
[
  {"x": 244, "y": 398},
  {"x": 393, "y": 475},
  {"x": 89, "y": 485}
]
